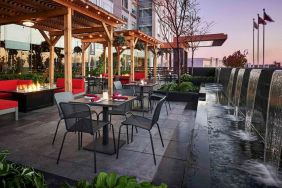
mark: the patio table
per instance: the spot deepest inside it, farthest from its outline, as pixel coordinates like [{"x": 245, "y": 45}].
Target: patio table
[
  {"x": 105, "y": 144},
  {"x": 141, "y": 86}
]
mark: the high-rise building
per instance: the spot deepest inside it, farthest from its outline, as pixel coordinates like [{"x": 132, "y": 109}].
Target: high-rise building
[{"x": 127, "y": 10}]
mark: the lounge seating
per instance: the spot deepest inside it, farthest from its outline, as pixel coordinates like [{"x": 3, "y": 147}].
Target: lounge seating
[
  {"x": 11, "y": 85},
  {"x": 125, "y": 79},
  {"x": 78, "y": 87},
  {"x": 9, "y": 106}
]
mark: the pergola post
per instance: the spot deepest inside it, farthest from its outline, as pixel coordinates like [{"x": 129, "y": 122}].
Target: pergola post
[
  {"x": 105, "y": 59},
  {"x": 68, "y": 49},
  {"x": 52, "y": 40},
  {"x": 51, "y": 64},
  {"x": 83, "y": 64},
  {"x": 132, "y": 63},
  {"x": 110, "y": 61},
  {"x": 146, "y": 61},
  {"x": 155, "y": 63}
]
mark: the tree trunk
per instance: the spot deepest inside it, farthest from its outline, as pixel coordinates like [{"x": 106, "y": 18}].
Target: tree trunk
[
  {"x": 178, "y": 58},
  {"x": 192, "y": 63}
]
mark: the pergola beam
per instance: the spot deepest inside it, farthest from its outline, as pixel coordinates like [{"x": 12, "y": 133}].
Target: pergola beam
[
  {"x": 34, "y": 16},
  {"x": 88, "y": 30}
]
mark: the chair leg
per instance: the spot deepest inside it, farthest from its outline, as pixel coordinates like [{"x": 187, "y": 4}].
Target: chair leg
[
  {"x": 152, "y": 144},
  {"x": 59, "y": 156},
  {"x": 132, "y": 133},
  {"x": 166, "y": 109},
  {"x": 127, "y": 139},
  {"x": 81, "y": 140},
  {"x": 118, "y": 140},
  {"x": 136, "y": 129},
  {"x": 56, "y": 131},
  {"x": 78, "y": 140},
  {"x": 114, "y": 139},
  {"x": 94, "y": 153},
  {"x": 168, "y": 105},
  {"x": 160, "y": 134}
]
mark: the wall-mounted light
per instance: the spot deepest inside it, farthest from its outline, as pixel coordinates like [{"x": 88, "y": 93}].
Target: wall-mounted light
[{"x": 28, "y": 23}]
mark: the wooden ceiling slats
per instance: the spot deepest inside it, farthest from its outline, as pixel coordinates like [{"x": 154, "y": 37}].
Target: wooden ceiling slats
[{"x": 46, "y": 14}]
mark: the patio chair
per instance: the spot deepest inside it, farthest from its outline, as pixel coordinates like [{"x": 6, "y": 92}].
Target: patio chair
[
  {"x": 144, "y": 123},
  {"x": 78, "y": 118},
  {"x": 61, "y": 97},
  {"x": 156, "y": 97},
  {"x": 122, "y": 110}
]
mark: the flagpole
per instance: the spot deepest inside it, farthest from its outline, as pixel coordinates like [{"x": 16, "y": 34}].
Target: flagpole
[
  {"x": 258, "y": 44},
  {"x": 253, "y": 43},
  {"x": 263, "y": 40}
]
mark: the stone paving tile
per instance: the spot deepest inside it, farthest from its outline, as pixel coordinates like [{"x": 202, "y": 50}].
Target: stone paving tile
[{"x": 29, "y": 141}]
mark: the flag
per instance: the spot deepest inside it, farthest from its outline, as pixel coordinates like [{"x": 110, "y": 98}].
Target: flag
[
  {"x": 255, "y": 24},
  {"x": 261, "y": 21},
  {"x": 266, "y": 17}
]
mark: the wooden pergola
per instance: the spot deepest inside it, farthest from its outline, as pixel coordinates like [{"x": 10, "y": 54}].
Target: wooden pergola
[
  {"x": 131, "y": 37},
  {"x": 57, "y": 18}
]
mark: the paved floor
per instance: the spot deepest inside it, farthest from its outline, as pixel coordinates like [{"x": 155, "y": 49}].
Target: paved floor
[{"x": 29, "y": 141}]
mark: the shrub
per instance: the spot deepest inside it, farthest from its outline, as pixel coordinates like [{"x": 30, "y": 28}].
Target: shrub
[
  {"x": 34, "y": 77},
  {"x": 12, "y": 175},
  {"x": 111, "y": 180},
  {"x": 185, "y": 86},
  {"x": 185, "y": 78},
  {"x": 182, "y": 87}
]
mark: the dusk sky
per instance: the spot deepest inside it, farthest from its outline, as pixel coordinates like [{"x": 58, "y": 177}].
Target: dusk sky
[{"x": 234, "y": 17}]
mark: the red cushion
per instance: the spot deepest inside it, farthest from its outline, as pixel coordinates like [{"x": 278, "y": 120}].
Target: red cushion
[
  {"x": 124, "y": 79},
  {"x": 60, "y": 82},
  {"x": 5, "y": 95},
  {"x": 139, "y": 76},
  {"x": 7, "y": 104},
  {"x": 104, "y": 75},
  {"x": 77, "y": 84},
  {"x": 8, "y": 85},
  {"x": 60, "y": 90},
  {"x": 77, "y": 91},
  {"x": 24, "y": 82}
]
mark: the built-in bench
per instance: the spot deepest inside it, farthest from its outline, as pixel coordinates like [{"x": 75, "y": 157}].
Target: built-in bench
[{"x": 9, "y": 106}]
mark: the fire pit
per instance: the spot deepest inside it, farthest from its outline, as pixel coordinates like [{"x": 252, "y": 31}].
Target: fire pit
[{"x": 34, "y": 96}]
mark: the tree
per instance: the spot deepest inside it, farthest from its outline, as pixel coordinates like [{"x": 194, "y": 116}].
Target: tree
[
  {"x": 236, "y": 60},
  {"x": 197, "y": 29},
  {"x": 173, "y": 18}
]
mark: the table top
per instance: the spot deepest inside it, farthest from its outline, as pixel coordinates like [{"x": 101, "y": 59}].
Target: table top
[
  {"x": 104, "y": 103},
  {"x": 141, "y": 85},
  {"x": 26, "y": 92}
]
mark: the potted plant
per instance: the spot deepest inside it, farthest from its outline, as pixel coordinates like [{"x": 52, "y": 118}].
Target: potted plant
[{"x": 119, "y": 41}]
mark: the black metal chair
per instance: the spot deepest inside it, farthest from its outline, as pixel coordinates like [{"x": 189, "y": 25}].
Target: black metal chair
[
  {"x": 78, "y": 118},
  {"x": 156, "y": 97},
  {"x": 144, "y": 123},
  {"x": 61, "y": 97}
]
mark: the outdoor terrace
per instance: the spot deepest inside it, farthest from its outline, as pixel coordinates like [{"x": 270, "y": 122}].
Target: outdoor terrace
[{"x": 29, "y": 141}]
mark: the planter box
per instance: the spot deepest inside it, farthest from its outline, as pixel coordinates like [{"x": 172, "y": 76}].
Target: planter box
[{"x": 190, "y": 97}]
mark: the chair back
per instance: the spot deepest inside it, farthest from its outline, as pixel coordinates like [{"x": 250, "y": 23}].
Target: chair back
[
  {"x": 157, "y": 111},
  {"x": 62, "y": 97},
  {"x": 77, "y": 117},
  {"x": 117, "y": 85}
]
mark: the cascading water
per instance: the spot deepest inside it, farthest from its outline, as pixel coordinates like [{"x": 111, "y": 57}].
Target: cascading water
[
  {"x": 236, "y": 99},
  {"x": 273, "y": 136},
  {"x": 247, "y": 134},
  {"x": 269, "y": 171},
  {"x": 230, "y": 85}
]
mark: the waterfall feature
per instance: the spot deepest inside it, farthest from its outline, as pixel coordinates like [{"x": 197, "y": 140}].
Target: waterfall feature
[
  {"x": 251, "y": 96},
  {"x": 236, "y": 99},
  {"x": 230, "y": 85},
  {"x": 273, "y": 136}
]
